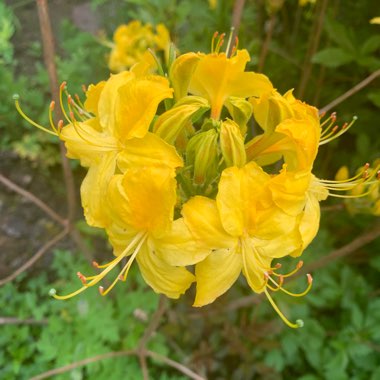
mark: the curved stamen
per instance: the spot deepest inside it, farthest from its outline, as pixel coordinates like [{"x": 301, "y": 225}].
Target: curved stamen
[
  {"x": 139, "y": 238},
  {"x": 28, "y": 119},
  {"x": 295, "y": 270},
  {"x": 62, "y": 87},
  {"x": 299, "y": 322}
]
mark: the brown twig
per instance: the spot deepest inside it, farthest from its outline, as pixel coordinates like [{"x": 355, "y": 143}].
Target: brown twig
[
  {"x": 180, "y": 367},
  {"x": 36, "y": 256},
  {"x": 172, "y": 363},
  {"x": 315, "y": 37},
  {"x": 235, "y": 22},
  {"x": 38, "y": 202},
  {"x": 347, "y": 249},
  {"x": 351, "y": 92},
  {"x": 267, "y": 41},
  {"x": 149, "y": 331},
  {"x": 49, "y": 59},
  {"x": 17, "y": 321}
]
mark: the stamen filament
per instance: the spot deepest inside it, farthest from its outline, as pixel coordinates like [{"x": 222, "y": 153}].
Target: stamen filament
[
  {"x": 139, "y": 239},
  {"x": 299, "y": 322},
  {"x": 28, "y": 119}
]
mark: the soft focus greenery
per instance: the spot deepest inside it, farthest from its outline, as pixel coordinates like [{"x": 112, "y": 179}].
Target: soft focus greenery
[{"x": 341, "y": 336}]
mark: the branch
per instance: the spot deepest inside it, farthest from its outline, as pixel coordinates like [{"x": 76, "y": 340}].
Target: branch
[
  {"x": 180, "y": 367},
  {"x": 36, "y": 256},
  {"x": 351, "y": 92},
  {"x": 49, "y": 60},
  {"x": 17, "y": 321},
  {"x": 38, "y": 202},
  {"x": 81, "y": 363},
  {"x": 347, "y": 249},
  {"x": 172, "y": 363}
]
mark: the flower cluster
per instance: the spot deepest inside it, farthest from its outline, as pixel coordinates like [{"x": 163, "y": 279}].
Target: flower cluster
[
  {"x": 206, "y": 166},
  {"x": 131, "y": 41}
]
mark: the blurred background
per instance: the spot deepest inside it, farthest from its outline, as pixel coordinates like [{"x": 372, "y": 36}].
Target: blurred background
[{"x": 322, "y": 49}]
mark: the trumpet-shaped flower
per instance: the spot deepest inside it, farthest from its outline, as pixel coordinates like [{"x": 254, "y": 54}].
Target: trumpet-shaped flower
[
  {"x": 117, "y": 136},
  {"x": 245, "y": 230},
  {"x": 141, "y": 205}
]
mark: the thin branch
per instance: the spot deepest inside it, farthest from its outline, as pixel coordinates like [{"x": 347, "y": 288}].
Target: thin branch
[
  {"x": 38, "y": 202},
  {"x": 154, "y": 323},
  {"x": 172, "y": 363},
  {"x": 347, "y": 249},
  {"x": 267, "y": 41},
  {"x": 351, "y": 92},
  {"x": 36, "y": 256},
  {"x": 237, "y": 14},
  {"x": 49, "y": 60},
  {"x": 315, "y": 37},
  {"x": 180, "y": 367},
  {"x": 17, "y": 321},
  {"x": 81, "y": 363}
]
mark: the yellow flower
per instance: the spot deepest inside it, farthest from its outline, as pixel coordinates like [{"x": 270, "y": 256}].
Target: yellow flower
[
  {"x": 245, "y": 231},
  {"x": 216, "y": 77},
  {"x": 141, "y": 205},
  {"x": 375, "y": 20},
  {"x": 117, "y": 137},
  {"x": 131, "y": 42}
]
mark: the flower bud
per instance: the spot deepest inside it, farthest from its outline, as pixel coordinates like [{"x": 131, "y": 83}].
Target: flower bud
[{"x": 232, "y": 144}]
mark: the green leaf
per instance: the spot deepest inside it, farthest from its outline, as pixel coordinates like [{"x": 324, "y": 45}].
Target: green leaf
[
  {"x": 370, "y": 45},
  {"x": 339, "y": 34},
  {"x": 332, "y": 57},
  {"x": 374, "y": 97}
]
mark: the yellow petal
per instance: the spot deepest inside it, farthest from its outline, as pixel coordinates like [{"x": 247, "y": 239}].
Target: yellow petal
[
  {"x": 107, "y": 100},
  {"x": 92, "y": 97},
  {"x": 288, "y": 190},
  {"x": 216, "y": 274},
  {"x": 178, "y": 246},
  {"x": 217, "y": 77},
  {"x": 143, "y": 199},
  {"x": 240, "y": 111},
  {"x": 181, "y": 72},
  {"x": 94, "y": 188},
  {"x": 136, "y": 105},
  {"x": 375, "y": 20},
  {"x": 120, "y": 236},
  {"x": 148, "y": 151},
  {"x": 202, "y": 218},
  {"x": 162, "y": 277},
  {"x": 84, "y": 142},
  {"x": 236, "y": 200},
  {"x": 254, "y": 266}
]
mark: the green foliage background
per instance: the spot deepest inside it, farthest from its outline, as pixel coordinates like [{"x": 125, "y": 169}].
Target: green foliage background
[{"x": 341, "y": 336}]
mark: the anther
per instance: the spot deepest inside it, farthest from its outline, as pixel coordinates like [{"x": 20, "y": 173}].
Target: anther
[
  {"x": 77, "y": 98},
  {"x": 62, "y": 86},
  {"x": 299, "y": 264},
  {"x": 101, "y": 290},
  {"x": 335, "y": 129},
  {"x": 52, "y": 105},
  {"x": 82, "y": 278},
  {"x": 299, "y": 323},
  {"x": 309, "y": 278},
  {"x": 278, "y": 266},
  {"x": 95, "y": 264},
  {"x": 70, "y": 99},
  {"x": 60, "y": 124},
  {"x": 84, "y": 88},
  {"x": 344, "y": 126}
]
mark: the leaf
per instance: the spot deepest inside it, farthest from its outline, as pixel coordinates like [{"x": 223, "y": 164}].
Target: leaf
[
  {"x": 374, "y": 97},
  {"x": 332, "y": 57},
  {"x": 370, "y": 45},
  {"x": 340, "y": 35}
]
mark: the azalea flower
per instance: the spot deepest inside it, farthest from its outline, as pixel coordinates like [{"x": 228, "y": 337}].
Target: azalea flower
[
  {"x": 117, "y": 136},
  {"x": 245, "y": 230},
  {"x": 141, "y": 205},
  {"x": 131, "y": 42}
]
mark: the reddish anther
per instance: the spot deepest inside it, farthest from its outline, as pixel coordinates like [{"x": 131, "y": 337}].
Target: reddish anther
[
  {"x": 84, "y": 88},
  {"x": 309, "y": 278},
  {"x": 335, "y": 129},
  {"x": 300, "y": 264},
  {"x": 52, "y": 105},
  {"x": 62, "y": 86},
  {"x": 60, "y": 124},
  {"x": 101, "y": 290},
  {"x": 95, "y": 264},
  {"x": 82, "y": 278},
  {"x": 344, "y": 125}
]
